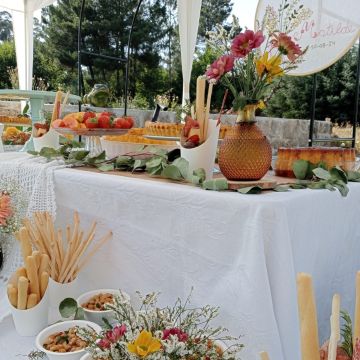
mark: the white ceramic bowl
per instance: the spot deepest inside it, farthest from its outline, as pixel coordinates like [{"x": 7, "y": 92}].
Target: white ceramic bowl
[
  {"x": 65, "y": 325},
  {"x": 86, "y": 357},
  {"x": 95, "y": 315}
]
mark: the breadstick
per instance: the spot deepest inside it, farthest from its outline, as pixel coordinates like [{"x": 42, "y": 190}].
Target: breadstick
[
  {"x": 92, "y": 253},
  {"x": 32, "y": 273},
  {"x": 44, "y": 280},
  {"x": 12, "y": 294},
  {"x": 37, "y": 255},
  {"x": 44, "y": 263},
  {"x": 23, "y": 285},
  {"x": 21, "y": 271},
  {"x": 32, "y": 300},
  {"x": 26, "y": 248}
]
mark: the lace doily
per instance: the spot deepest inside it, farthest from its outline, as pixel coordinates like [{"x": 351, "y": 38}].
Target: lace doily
[{"x": 36, "y": 177}]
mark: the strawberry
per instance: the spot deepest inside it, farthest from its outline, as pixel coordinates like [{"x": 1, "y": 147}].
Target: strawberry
[
  {"x": 104, "y": 121},
  {"x": 88, "y": 115},
  {"x": 92, "y": 123}
]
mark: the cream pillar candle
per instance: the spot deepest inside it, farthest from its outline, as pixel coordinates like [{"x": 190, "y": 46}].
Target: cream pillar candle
[
  {"x": 357, "y": 310},
  {"x": 335, "y": 327},
  {"x": 264, "y": 355},
  {"x": 307, "y": 318}
]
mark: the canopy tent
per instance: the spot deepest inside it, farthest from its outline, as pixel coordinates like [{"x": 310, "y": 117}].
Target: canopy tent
[{"x": 23, "y": 14}]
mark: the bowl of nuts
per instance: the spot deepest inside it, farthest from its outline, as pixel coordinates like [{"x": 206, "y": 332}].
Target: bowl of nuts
[
  {"x": 94, "y": 304},
  {"x": 62, "y": 340}
]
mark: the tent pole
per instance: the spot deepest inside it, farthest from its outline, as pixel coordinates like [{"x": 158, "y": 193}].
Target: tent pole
[
  {"x": 79, "y": 50},
  {"x": 128, "y": 58},
  {"x": 356, "y": 110},
  {"x": 313, "y": 103}
]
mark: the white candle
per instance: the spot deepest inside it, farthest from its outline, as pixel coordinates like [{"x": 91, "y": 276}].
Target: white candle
[
  {"x": 335, "y": 327},
  {"x": 264, "y": 355},
  {"x": 357, "y": 310},
  {"x": 308, "y": 318}
]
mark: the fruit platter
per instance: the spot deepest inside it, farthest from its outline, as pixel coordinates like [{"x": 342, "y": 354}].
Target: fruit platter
[{"x": 92, "y": 126}]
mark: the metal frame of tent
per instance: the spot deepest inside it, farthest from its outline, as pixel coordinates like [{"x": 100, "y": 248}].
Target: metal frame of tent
[
  {"x": 119, "y": 60},
  {"x": 312, "y": 140}
]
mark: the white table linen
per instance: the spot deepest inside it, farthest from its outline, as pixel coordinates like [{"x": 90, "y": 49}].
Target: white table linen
[{"x": 241, "y": 252}]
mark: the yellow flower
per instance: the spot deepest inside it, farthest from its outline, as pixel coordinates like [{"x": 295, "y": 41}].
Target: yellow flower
[
  {"x": 144, "y": 344},
  {"x": 269, "y": 67},
  {"x": 11, "y": 131}
]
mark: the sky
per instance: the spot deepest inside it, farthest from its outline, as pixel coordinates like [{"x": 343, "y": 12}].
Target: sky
[{"x": 245, "y": 11}]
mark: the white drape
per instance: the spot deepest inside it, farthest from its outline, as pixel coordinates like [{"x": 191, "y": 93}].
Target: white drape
[
  {"x": 188, "y": 14},
  {"x": 23, "y": 12}
]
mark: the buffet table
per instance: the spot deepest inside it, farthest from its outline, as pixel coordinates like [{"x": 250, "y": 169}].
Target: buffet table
[{"x": 241, "y": 252}]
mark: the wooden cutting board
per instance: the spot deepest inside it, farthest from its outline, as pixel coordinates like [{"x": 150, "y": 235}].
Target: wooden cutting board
[{"x": 265, "y": 183}]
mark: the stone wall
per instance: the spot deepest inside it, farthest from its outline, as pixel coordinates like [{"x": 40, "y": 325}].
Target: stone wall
[{"x": 281, "y": 132}]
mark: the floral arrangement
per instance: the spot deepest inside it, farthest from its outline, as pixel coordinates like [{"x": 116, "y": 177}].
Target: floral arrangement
[
  {"x": 155, "y": 333},
  {"x": 247, "y": 67},
  {"x": 12, "y": 204}
]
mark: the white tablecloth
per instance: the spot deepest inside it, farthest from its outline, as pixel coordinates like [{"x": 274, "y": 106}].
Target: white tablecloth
[{"x": 241, "y": 252}]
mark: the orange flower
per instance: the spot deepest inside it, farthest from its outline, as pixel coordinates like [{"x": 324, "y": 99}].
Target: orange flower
[
  {"x": 286, "y": 46},
  {"x": 5, "y": 208}
]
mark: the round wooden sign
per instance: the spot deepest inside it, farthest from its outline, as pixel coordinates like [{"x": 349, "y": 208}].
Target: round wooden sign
[{"x": 329, "y": 28}]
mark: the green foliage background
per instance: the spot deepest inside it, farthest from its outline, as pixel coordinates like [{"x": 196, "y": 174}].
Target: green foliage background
[{"x": 155, "y": 66}]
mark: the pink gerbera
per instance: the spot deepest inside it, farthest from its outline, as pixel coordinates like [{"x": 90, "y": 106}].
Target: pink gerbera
[
  {"x": 286, "y": 46},
  {"x": 5, "y": 209},
  {"x": 219, "y": 67},
  {"x": 246, "y": 42}
]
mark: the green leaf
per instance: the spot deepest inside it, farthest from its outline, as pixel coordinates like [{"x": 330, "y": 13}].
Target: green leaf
[
  {"x": 338, "y": 174},
  {"x": 353, "y": 176},
  {"x": 215, "y": 184},
  {"x": 68, "y": 307},
  {"x": 318, "y": 185},
  {"x": 79, "y": 314},
  {"x": 281, "y": 188},
  {"x": 172, "y": 172},
  {"x": 195, "y": 180},
  {"x": 32, "y": 152},
  {"x": 124, "y": 163},
  {"x": 250, "y": 190},
  {"x": 106, "y": 167},
  {"x": 139, "y": 164},
  {"x": 154, "y": 162},
  {"x": 79, "y": 155},
  {"x": 321, "y": 174},
  {"x": 183, "y": 166},
  {"x": 48, "y": 152},
  {"x": 96, "y": 159},
  {"x": 298, "y": 186},
  {"x": 156, "y": 171},
  {"x": 201, "y": 174},
  {"x": 342, "y": 187},
  {"x": 300, "y": 169},
  {"x": 156, "y": 150}
]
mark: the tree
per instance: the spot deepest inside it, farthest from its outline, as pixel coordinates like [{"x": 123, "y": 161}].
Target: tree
[
  {"x": 6, "y": 29},
  {"x": 7, "y": 61},
  {"x": 335, "y": 93}
]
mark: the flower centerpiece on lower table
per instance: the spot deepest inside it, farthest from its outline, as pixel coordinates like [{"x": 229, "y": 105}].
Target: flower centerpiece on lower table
[
  {"x": 12, "y": 207},
  {"x": 250, "y": 65},
  {"x": 169, "y": 333}
]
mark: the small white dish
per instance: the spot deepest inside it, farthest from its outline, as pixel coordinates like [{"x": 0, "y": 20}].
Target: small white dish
[
  {"x": 97, "y": 316},
  {"x": 62, "y": 326}
]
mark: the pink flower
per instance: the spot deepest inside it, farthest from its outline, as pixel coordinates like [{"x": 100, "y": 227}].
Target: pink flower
[
  {"x": 219, "y": 67},
  {"x": 116, "y": 333},
  {"x": 286, "y": 46},
  {"x": 182, "y": 336},
  {"x": 104, "y": 343},
  {"x": 5, "y": 209},
  {"x": 246, "y": 42}
]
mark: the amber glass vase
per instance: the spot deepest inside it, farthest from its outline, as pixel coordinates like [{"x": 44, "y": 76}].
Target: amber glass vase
[{"x": 245, "y": 153}]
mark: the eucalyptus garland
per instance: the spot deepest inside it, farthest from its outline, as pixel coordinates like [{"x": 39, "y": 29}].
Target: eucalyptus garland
[{"x": 159, "y": 162}]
